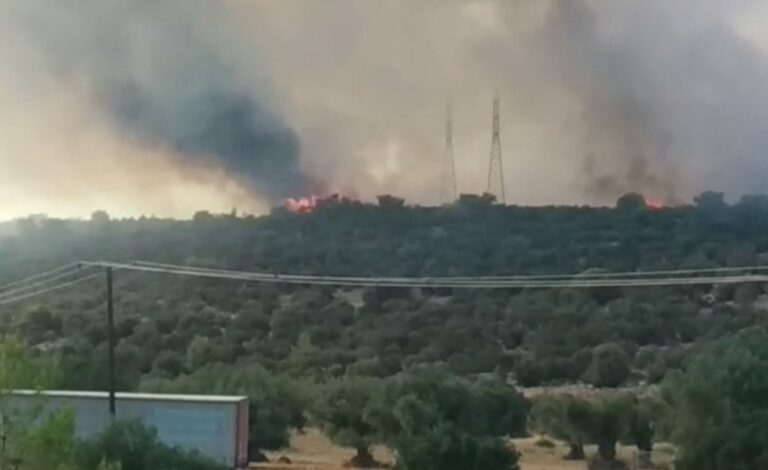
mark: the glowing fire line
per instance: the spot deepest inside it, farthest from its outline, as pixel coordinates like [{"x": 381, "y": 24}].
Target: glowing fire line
[
  {"x": 302, "y": 205},
  {"x": 654, "y": 204}
]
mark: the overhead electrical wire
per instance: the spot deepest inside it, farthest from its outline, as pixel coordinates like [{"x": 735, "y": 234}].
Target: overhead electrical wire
[
  {"x": 55, "y": 279},
  {"x": 22, "y": 288},
  {"x": 537, "y": 277},
  {"x": 55, "y": 287},
  {"x": 574, "y": 281},
  {"x": 45, "y": 282},
  {"x": 514, "y": 281},
  {"x": 628, "y": 274},
  {"x": 39, "y": 276}
]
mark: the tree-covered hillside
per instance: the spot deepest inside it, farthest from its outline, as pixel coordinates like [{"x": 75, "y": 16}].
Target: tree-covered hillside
[{"x": 170, "y": 326}]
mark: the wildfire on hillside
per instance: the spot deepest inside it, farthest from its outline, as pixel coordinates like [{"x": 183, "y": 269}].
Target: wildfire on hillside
[
  {"x": 307, "y": 205},
  {"x": 654, "y": 204},
  {"x": 303, "y": 205}
]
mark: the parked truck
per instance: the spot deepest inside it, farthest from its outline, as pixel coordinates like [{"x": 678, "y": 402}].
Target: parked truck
[{"x": 214, "y": 426}]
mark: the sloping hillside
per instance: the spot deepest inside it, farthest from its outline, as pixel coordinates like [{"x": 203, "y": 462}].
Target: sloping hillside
[{"x": 168, "y": 326}]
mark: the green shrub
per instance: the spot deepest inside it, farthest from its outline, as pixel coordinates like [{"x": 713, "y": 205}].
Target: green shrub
[
  {"x": 131, "y": 446},
  {"x": 445, "y": 447},
  {"x": 609, "y": 366}
]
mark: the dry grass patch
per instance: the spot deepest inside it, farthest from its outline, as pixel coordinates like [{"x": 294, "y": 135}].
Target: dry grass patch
[{"x": 312, "y": 450}]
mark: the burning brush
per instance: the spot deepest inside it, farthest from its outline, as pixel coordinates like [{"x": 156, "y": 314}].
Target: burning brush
[
  {"x": 303, "y": 205},
  {"x": 654, "y": 205}
]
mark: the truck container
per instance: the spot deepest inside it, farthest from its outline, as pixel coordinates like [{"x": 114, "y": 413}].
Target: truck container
[{"x": 214, "y": 426}]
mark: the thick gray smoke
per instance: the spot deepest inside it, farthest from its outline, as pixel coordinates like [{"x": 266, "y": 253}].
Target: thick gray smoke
[
  {"x": 598, "y": 98},
  {"x": 673, "y": 97},
  {"x": 245, "y": 98},
  {"x": 627, "y": 149},
  {"x": 168, "y": 73}
]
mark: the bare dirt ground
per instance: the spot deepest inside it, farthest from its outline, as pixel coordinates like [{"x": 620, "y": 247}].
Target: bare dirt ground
[
  {"x": 539, "y": 458},
  {"x": 313, "y": 451}
]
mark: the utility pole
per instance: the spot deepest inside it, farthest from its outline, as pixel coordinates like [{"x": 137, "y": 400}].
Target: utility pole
[
  {"x": 448, "y": 188},
  {"x": 111, "y": 338},
  {"x": 495, "y": 168}
]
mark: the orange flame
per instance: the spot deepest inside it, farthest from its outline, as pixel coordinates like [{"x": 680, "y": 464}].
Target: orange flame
[
  {"x": 654, "y": 205},
  {"x": 303, "y": 205}
]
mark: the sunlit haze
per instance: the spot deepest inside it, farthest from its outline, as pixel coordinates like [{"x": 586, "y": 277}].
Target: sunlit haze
[{"x": 169, "y": 107}]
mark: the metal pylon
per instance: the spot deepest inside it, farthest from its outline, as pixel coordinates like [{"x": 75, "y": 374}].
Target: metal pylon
[{"x": 496, "y": 167}]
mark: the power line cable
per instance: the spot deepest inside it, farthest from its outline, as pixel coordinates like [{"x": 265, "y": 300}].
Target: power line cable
[
  {"x": 560, "y": 281},
  {"x": 573, "y": 282},
  {"x": 537, "y": 277},
  {"x": 38, "y": 284},
  {"x": 39, "y": 276},
  {"x": 49, "y": 289},
  {"x": 628, "y": 274},
  {"x": 510, "y": 280}
]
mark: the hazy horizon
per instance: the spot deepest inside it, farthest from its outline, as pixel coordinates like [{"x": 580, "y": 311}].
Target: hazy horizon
[{"x": 164, "y": 107}]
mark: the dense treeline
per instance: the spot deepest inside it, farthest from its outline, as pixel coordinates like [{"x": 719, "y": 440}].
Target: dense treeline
[
  {"x": 168, "y": 326},
  {"x": 172, "y": 332},
  {"x": 473, "y": 237}
]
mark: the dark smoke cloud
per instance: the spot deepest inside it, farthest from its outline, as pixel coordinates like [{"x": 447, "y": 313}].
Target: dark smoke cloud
[
  {"x": 673, "y": 97},
  {"x": 599, "y": 98},
  {"x": 622, "y": 144},
  {"x": 227, "y": 127},
  {"x": 165, "y": 73},
  {"x": 668, "y": 98}
]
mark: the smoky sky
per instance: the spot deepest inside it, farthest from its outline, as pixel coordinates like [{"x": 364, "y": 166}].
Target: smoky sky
[
  {"x": 265, "y": 99},
  {"x": 598, "y": 98},
  {"x": 675, "y": 98},
  {"x": 161, "y": 72},
  {"x": 229, "y": 127},
  {"x": 662, "y": 98},
  {"x": 625, "y": 147}
]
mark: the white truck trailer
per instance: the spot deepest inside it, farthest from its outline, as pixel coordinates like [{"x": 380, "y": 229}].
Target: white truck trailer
[{"x": 214, "y": 426}]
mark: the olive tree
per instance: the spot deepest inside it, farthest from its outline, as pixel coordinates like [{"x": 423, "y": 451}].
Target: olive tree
[
  {"x": 549, "y": 416},
  {"x": 609, "y": 366},
  {"x": 438, "y": 422},
  {"x": 719, "y": 406},
  {"x": 341, "y": 410}
]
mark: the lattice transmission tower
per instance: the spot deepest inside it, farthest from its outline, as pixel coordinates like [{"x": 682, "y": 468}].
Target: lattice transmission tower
[
  {"x": 496, "y": 168},
  {"x": 448, "y": 187}
]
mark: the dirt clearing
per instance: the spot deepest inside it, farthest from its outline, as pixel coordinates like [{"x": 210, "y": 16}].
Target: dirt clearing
[{"x": 313, "y": 451}]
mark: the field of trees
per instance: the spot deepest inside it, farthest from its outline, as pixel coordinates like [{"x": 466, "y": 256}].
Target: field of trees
[{"x": 430, "y": 373}]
